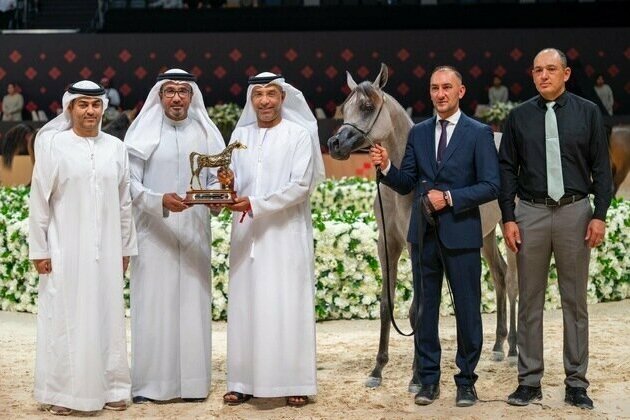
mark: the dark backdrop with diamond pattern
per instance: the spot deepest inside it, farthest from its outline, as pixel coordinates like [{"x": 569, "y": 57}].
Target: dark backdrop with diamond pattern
[{"x": 315, "y": 62}]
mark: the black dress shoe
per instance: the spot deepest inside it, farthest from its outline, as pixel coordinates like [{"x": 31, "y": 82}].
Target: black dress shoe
[
  {"x": 524, "y": 395},
  {"x": 466, "y": 396},
  {"x": 141, "y": 400},
  {"x": 427, "y": 394},
  {"x": 576, "y": 396}
]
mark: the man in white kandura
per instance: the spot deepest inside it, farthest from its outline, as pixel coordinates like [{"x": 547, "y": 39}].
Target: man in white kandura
[
  {"x": 271, "y": 319},
  {"x": 81, "y": 234},
  {"x": 170, "y": 285}
]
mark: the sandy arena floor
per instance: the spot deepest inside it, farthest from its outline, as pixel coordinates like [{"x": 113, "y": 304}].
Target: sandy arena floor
[{"x": 346, "y": 352}]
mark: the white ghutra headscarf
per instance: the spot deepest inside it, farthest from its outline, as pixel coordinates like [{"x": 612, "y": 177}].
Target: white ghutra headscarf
[
  {"x": 63, "y": 121},
  {"x": 295, "y": 109},
  {"x": 143, "y": 136}
]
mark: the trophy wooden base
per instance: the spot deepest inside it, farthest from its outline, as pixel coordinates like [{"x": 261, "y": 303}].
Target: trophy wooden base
[{"x": 209, "y": 197}]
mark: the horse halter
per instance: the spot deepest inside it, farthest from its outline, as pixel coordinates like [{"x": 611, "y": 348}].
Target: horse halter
[{"x": 366, "y": 133}]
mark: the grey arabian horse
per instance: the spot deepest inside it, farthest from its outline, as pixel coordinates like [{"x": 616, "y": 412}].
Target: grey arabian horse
[{"x": 372, "y": 116}]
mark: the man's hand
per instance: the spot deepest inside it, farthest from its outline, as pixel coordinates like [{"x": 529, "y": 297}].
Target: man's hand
[
  {"x": 379, "y": 156},
  {"x": 241, "y": 204},
  {"x": 225, "y": 177},
  {"x": 437, "y": 200},
  {"x": 125, "y": 261},
  {"x": 43, "y": 266},
  {"x": 173, "y": 202},
  {"x": 595, "y": 232},
  {"x": 512, "y": 236}
]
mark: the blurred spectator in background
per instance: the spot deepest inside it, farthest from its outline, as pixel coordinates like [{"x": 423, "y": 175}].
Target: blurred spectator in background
[
  {"x": 16, "y": 141},
  {"x": 605, "y": 93},
  {"x": 113, "y": 109},
  {"x": 497, "y": 92},
  {"x": 12, "y": 104}
]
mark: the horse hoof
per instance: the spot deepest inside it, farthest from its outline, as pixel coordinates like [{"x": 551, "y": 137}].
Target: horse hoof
[
  {"x": 512, "y": 360},
  {"x": 373, "y": 382},
  {"x": 498, "y": 356},
  {"x": 413, "y": 388}
]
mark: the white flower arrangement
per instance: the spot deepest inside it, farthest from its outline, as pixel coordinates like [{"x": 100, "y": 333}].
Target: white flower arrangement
[
  {"x": 498, "y": 112},
  {"x": 347, "y": 270}
]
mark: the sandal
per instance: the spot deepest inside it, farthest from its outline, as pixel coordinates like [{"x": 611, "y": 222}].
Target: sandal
[
  {"x": 116, "y": 405},
  {"x": 58, "y": 410},
  {"x": 240, "y": 398},
  {"x": 297, "y": 401}
]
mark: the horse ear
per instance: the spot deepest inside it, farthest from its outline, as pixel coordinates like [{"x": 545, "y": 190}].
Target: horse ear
[
  {"x": 381, "y": 79},
  {"x": 351, "y": 83}
]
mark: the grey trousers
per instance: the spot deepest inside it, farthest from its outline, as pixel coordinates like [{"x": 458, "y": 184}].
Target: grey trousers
[{"x": 561, "y": 231}]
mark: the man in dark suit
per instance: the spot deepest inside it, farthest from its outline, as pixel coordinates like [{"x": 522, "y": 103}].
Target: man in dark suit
[{"x": 451, "y": 164}]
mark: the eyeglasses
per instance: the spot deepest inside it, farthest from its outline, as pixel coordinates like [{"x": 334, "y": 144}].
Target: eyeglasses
[{"x": 183, "y": 93}]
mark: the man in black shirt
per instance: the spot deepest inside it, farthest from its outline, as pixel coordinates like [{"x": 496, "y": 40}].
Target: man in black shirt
[{"x": 553, "y": 155}]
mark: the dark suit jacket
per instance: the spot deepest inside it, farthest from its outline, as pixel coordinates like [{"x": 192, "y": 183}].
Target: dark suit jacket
[{"x": 469, "y": 170}]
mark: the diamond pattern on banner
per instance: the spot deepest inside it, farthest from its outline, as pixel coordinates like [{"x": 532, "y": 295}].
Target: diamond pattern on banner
[
  {"x": 419, "y": 107},
  {"x": 30, "y": 73},
  {"x": 15, "y": 56},
  {"x": 220, "y": 72},
  {"x": 109, "y": 72},
  {"x": 251, "y": 71},
  {"x": 363, "y": 72},
  {"x": 331, "y": 107},
  {"x": 589, "y": 70},
  {"x": 42, "y": 56},
  {"x": 626, "y": 53},
  {"x": 319, "y": 55},
  {"x": 180, "y": 55},
  {"x": 459, "y": 54},
  {"x": 235, "y": 89},
  {"x": 2, "y": 73},
  {"x": 291, "y": 55},
  {"x": 403, "y": 55},
  {"x": 347, "y": 55},
  {"x": 152, "y": 55},
  {"x": 43, "y": 90},
  {"x": 140, "y": 73},
  {"x": 375, "y": 55},
  {"x": 85, "y": 73},
  {"x": 276, "y": 70},
  {"x": 331, "y": 72},
  {"x": 613, "y": 70},
  {"x": 601, "y": 54},
  {"x": 419, "y": 72},
  {"x": 572, "y": 54},
  {"x": 516, "y": 54},
  {"x": 403, "y": 89},
  {"x": 627, "y": 88},
  {"x": 124, "y": 56},
  {"x": 307, "y": 72},
  {"x": 487, "y": 54},
  {"x": 54, "y": 73},
  {"x": 207, "y": 55},
  {"x": 235, "y": 55},
  {"x": 70, "y": 56},
  {"x": 500, "y": 71},
  {"x": 125, "y": 89},
  {"x": 54, "y": 106},
  {"x": 196, "y": 70},
  {"x": 263, "y": 55},
  {"x": 345, "y": 89},
  {"x": 475, "y": 71},
  {"x": 516, "y": 89},
  {"x": 97, "y": 56}
]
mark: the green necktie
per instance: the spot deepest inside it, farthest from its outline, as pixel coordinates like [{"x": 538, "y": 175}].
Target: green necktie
[{"x": 555, "y": 183}]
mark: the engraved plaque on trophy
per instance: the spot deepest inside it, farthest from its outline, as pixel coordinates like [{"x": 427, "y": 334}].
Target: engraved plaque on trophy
[{"x": 224, "y": 195}]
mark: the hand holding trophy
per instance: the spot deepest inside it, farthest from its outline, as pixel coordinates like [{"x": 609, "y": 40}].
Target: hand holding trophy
[{"x": 222, "y": 196}]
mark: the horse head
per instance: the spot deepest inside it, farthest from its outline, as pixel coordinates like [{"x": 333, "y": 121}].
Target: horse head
[{"x": 369, "y": 116}]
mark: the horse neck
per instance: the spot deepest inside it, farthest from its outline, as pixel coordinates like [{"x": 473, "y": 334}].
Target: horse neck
[{"x": 396, "y": 142}]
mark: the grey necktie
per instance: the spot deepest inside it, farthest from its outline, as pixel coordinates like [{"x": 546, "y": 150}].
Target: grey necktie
[{"x": 555, "y": 183}]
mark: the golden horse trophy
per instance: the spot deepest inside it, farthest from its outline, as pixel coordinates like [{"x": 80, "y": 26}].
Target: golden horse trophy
[{"x": 224, "y": 195}]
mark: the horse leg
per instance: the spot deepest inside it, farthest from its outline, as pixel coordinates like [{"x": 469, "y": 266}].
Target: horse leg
[
  {"x": 497, "y": 266},
  {"x": 376, "y": 376},
  {"x": 511, "y": 281}
]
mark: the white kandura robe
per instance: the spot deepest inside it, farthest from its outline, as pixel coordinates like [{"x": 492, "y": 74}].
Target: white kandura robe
[
  {"x": 80, "y": 217},
  {"x": 170, "y": 286},
  {"x": 271, "y": 315}
]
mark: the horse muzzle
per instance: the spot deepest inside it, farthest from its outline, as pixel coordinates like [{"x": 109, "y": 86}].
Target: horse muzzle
[{"x": 346, "y": 141}]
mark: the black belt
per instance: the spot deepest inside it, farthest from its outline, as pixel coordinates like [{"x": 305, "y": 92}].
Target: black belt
[{"x": 550, "y": 202}]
